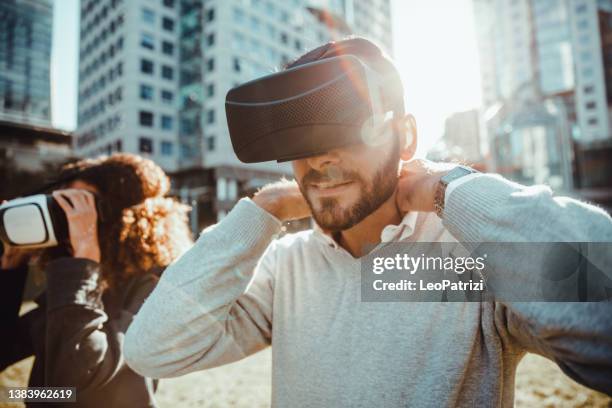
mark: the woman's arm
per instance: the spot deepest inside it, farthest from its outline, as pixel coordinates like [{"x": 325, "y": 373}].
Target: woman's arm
[
  {"x": 15, "y": 343},
  {"x": 84, "y": 346}
]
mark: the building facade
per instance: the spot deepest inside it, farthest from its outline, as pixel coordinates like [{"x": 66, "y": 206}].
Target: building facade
[
  {"x": 545, "y": 91},
  {"x": 154, "y": 75},
  {"x": 128, "y": 79},
  {"x": 591, "y": 32},
  {"x": 239, "y": 41},
  {"x": 462, "y": 136},
  {"x": 29, "y": 156},
  {"x": 25, "y": 60}
]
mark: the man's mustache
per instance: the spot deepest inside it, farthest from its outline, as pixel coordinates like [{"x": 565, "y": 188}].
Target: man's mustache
[{"x": 329, "y": 174}]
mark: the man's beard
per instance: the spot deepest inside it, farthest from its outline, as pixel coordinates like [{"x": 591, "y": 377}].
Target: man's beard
[{"x": 333, "y": 218}]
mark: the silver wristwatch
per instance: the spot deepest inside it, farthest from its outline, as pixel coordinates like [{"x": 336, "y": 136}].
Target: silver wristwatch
[{"x": 453, "y": 175}]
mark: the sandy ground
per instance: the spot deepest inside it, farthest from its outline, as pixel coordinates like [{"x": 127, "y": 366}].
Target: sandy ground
[{"x": 246, "y": 384}]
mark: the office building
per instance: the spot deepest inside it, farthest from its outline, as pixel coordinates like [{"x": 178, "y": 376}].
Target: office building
[
  {"x": 128, "y": 79},
  {"x": 25, "y": 59},
  {"x": 462, "y": 137},
  {"x": 154, "y": 74},
  {"x": 545, "y": 91},
  {"x": 30, "y": 156},
  {"x": 240, "y": 41},
  {"x": 591, "y": 30}
]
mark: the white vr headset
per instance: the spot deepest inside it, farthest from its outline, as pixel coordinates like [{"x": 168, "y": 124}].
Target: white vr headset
[{"x": 33, "y": 222}]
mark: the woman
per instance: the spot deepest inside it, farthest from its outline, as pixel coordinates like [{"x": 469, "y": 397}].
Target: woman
[{"x": 96, "y": 283}]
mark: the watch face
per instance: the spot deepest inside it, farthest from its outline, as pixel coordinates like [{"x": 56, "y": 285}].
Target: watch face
[{"x": 456, "y": 173}]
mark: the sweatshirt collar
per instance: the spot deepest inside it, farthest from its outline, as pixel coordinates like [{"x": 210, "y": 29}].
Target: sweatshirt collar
[{"x": 391, "y": 233}]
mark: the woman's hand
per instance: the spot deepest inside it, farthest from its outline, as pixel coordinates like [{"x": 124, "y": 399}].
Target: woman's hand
[
  {"x": 80, "y": 209},
  {"x": 14, "y": 257}
]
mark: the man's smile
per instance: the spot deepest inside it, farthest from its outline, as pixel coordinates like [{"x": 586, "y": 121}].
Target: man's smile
[{"x": 330, "y": 188}]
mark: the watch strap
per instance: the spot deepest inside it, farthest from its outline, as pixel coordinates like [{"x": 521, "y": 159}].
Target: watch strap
[{"x": 454, "y": 174}]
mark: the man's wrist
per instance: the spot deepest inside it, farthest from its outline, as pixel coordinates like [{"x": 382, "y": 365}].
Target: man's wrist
[
  {"x": 269, "y": 204},
  {"x": 444, "y": 181}
]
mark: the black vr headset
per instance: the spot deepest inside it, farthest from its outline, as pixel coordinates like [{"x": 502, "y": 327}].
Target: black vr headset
[{"x": 308, "y": 110}]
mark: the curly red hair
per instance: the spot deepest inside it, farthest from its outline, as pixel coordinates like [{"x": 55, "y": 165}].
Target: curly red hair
[{"x": 141, "y": 229}]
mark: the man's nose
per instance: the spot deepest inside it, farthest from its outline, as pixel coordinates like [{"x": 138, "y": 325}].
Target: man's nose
[{"x": 323, "y": 160}]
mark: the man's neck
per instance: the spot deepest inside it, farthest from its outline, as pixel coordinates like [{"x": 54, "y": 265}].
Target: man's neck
[{"x": 358, "y": 238}]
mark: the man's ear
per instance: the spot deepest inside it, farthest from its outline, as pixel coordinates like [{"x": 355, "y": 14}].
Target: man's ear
[{"x": 407, "y": 130}]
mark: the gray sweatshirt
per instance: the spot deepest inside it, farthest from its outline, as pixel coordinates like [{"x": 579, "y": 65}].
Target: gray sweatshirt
[{"x": 239, "y": 290}]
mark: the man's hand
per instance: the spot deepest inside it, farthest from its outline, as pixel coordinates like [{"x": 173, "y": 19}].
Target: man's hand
[
  {"x": 283, "y": 200},
  {"x": 418, "y": 182},
  {"x": 80, "y": 209}
]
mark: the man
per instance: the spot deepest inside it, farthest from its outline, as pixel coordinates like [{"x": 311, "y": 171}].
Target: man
[{"x": 238, "y": 290}]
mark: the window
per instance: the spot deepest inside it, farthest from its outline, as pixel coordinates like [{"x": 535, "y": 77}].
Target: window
[
  {"x": 187, "y": 126},
  {"x": 581, "y": 8},
  {"x": 236, "y": 64},
  {"x": 271, "y": 31},
  {"x": 238, "y": 15},
  {"x": 146, "y": 92},
  {"x": 168, "y": 24},
  {"x": 169, "y": 3},
  {"x": 589, "y": 89},
  {"x": 167, "y": 48},
  {"x": 210, "y": 90},
  {"x": 148, "y": 16},
  {"x": 210, "y": 116},
  {"x": 284, "y": 38},
  {"x": 147, "y": 41},
  {"x": 118, "y": 93},
  {"x": 210, "y": 39},
  {"x": 146, "y": 118},
  {"x": 238, "y": 41},
  {"x": 210, "y": 15},
  {"x": 210, "y": 65},
  {"x": 255, "y": 23},
  {"x": 146, "y": 66},
  {"x": 298, "y": 45},
  {"x": 166, "y": 148},
  {"x": 591, "y": 105},
  {"x": 167, "y": 96},
  {"x": 210, "y": 143},
  {"x": 166, "y": 122},
  {"x": 167, "y": 72},
  {"x": 593, "y": 122},
  {"x": 145, "y": 145}
]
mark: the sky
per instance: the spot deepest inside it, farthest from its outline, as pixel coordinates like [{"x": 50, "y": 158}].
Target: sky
[{"x": 434, "y": 50}]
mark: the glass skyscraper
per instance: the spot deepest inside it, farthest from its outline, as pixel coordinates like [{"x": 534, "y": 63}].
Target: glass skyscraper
[{"x": 25, "y": 58}]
